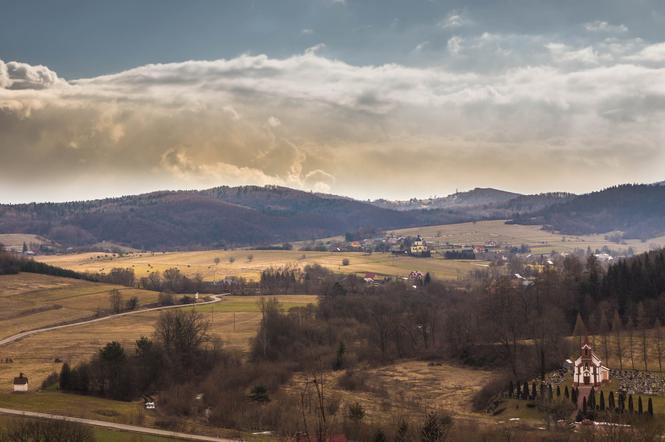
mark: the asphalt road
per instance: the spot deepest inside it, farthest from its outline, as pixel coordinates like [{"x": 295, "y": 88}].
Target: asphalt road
[
  {"x": 16, "y": 337},
  {"x": 114, "y": 426}
]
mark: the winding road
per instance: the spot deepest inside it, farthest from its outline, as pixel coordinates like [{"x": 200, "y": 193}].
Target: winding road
[
  {"x": 24, "y": 334},
  {"x": 113, "y": 425}
]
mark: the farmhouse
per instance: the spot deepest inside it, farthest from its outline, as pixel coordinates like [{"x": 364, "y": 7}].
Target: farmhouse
[
  {"x": 418, "y": 247},
  {"x": 589, "y": 369},
  {"x": 20, "y": 384}
]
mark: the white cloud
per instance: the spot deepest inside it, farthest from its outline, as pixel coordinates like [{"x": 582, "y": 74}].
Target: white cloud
[
  {"x": 15, "y": 75},
  {"x": 202, "y": 123},
  {"x": 455, "y": 44},
  {"x": 603, "y": 26},
  {"x": 307, "y": 31},
  {"x": 454, "y": 20}
]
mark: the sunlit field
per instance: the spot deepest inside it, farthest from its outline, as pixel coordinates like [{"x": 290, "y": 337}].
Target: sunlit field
[
  {"x": 540, "y": 241},
  {"x": 250, "y": 263}
]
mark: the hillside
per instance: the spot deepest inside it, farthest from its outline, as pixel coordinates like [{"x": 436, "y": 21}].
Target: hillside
[
  {"x": 636, "y": 210},
  {"x": 216, "y": 217},
  {"x": 459, "y": 200}
]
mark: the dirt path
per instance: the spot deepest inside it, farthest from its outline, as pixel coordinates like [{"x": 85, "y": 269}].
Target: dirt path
[{"x": 16, "y": 337}]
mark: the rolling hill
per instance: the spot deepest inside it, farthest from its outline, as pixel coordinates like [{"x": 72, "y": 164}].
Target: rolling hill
[
  {"x": 637, "y": 210},
  {"x": 218, "y": 217},
  {"x": 457, "y": 201}
]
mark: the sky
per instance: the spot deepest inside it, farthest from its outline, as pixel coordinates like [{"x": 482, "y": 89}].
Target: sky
[{"x": 370, "y": 99}]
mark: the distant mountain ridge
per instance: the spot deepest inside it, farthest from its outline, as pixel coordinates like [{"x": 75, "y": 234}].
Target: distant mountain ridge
[
  {"x": 254, "y": 215},
  {"x": 472, "y": 198},
  {"x": 637, "y": 210},
  {"x": 218, "y": 217}
]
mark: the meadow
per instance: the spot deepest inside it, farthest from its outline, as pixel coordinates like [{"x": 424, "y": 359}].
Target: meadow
[
  {"x": 250, "y": 263},
  {"x": 234, "y": 321},
  {"x": 32, "y": 301},
  {"x": 540, "y": 241}
]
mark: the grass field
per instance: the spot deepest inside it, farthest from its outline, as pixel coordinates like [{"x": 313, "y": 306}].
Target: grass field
[
  {"x": 32, "y": 301},
  {"x": 237, "y": 263},
  {"x": 234, "y": 320},
  {"x": 539, "y": 240},
  {"x": 15, "y": 241}
]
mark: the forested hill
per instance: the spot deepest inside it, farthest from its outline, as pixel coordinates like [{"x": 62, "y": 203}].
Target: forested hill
[
  {"x": 638, "y": 210},
  {"x": 218, "y": 217}
]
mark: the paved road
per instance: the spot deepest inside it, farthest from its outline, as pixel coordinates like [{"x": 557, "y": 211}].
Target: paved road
[
  {"x": 114, "y": 426},
  {"x": 16, "y": 337}
]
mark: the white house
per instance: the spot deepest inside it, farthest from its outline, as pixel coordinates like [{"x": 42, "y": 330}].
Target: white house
[
  {"x": 589, "y": 369},
  {"x": 21, "y": 384},
  {"x": 418, "y": 246}
]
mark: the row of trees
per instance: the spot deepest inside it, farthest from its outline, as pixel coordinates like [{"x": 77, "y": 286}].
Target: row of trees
[{"x": 181, "y": 351}]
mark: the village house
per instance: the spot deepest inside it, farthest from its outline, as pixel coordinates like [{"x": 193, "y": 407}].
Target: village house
[
  {"x": 419, "y": 247},
  {"x": 589, "y": 369},
  {"x": 21, "y": 384}
]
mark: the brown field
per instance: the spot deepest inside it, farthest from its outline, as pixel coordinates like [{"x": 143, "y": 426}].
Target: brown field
[
  {"x": 202, "y": 262},
  {"x": 539, "y": 240},
  {"x": 234, "y": 320},
  {"x": 32, "y": 301},
  {"x": 14, "y": 241}
]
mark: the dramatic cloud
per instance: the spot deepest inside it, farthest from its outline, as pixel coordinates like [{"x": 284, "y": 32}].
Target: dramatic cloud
[{"x": 560, "y": 116}]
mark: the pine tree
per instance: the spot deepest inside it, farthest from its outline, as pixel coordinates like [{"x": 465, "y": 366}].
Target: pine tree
[
  {"x": 565, "y": 393},
  {"x": 616, "y": 329},
  {"x": 511, "y": 389},
  {"x": 650, "y": 408},
  {"x": 640, "y": 410},
  {"x": 533, "y": 390},
  {"x": 610, "y": 401},
  {"x": 630, "y": 404},
  {"x": 580, "y": 330},
  {"x": 558, "y": 392},
  {"x": 630, "y": 330},
  {"x": 602, "y": 401},
  {"x": 592, "y": 399},
  {"x": 550, "y": 394},
  {"x": 658, "y": 332},
  {"x": 584, "y": 404},
  {"x": 525, "y": 391},
  {"x": 643, "y": 324}
]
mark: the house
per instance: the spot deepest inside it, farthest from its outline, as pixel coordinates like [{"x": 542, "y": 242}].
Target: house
[
  {"x": 419, "y": 247},
  {"x": 589, "y": 369},
  {"x": 20, "y": 384}
]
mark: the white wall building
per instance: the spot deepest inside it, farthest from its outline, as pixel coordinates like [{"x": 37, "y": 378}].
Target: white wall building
[
  {"x": 589, "y": 369},
  {"x": 21, "y": 384}
]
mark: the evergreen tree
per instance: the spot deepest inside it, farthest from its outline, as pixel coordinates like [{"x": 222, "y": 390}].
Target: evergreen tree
[
  {"x": 592, "y": 399},
  {"x": 511, "y": 389},
  {"x": 580, "y": 330},
  {"x": 584, "y": 404},
  {"x": 640, "y": 410},
  {"x": 525, "y": 391},
  {"x": 558, "y": 392},
  {"x": 616, "y": 329},
  {"x": 533, "y": 390},
  {"x": 650, "y": 408},
  {"x": 602, "y": 401},
  {"x": 610, "y": 401},
  {"x": 565, "y": 393},
  {"x": 65, "y": 379},
  {"x": 550, "y": 394},
  {"x": 631, "y": 409}
]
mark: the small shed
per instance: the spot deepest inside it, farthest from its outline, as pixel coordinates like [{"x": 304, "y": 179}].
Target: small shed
[{"x": 21, "y": 384}]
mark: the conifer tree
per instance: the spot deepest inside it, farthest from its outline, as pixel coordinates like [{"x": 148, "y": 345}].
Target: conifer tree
[
  {"x": 650, "y": 408},
  {"x": 631, "y": 408},
  {"x": 511, "y": 389},
  {"x": 558, "y": 392},
  {"x": 610, "y": 401},
  {"x": 640, "y": 410},
  {"x": 616, "y": 329},
  {"x": 580, "y": 330},
  {"x": 565, "y": 393},
  {"x": 592, "y": 399},
  {"x": 549, "y": 392}
]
